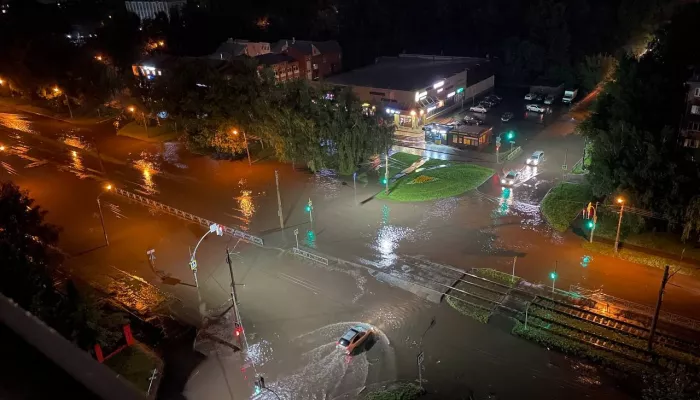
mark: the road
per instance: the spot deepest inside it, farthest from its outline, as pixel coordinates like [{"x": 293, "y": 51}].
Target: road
[{"x": 56, "y": 164}]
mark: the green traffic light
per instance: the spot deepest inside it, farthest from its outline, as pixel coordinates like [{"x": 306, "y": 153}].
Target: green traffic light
[
  {"x": 383, "y": 181},
  {"x": 510, "y": 135},
  {"x": 590, "y": 224},
  {"x": 553, "y": 275},
  {"x": 308, "y": 208}
]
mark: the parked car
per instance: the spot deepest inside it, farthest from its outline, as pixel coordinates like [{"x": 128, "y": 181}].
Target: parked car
[
  {"x": 530, "y": 96},
  {"x": 495, "y": 100},
  {"x": 539, "y": 97},
  {"x": 495, "y": 97},
  {"x": 535, "y": 108},
  {"x": 549, "y": 99},
  {"x": 469, "y": 120},
  {"x": 536, "y": 158},
  {"x": 511, "y": 178},
  {"x": 479, "y": 109},
  {"x": 354, "y": 338},
  {"x": 487, "y": 103},
  {"x": 507, "y": 116}
]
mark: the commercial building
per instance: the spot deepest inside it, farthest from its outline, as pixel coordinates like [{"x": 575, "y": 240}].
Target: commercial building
[
  {"x": 146, "y": 9},
  {"x": 415, "y": 88},
  {"x": 462, "y": 136},
  {"x": 230, "y": 49}
]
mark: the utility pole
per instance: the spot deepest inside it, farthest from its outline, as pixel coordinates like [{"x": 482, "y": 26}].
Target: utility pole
[
  {"x": 664, "y": 281},
  {"x": 386, "y": 173},
  {"x": 279, "y": 200},
  {"x": 619, "y": 224},
  {"x": 234, "y": 298},
  {"x": 514, "y": 260}
]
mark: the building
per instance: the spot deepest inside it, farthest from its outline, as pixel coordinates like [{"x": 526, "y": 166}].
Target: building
[
  {"x": 415, "y": 88},
  {"x": 148, "y": 9},
  {"x": 462, "y": 136},
  {"x": 151, "y": 67},
  {"x": 284, "y": 66},
  {"x": 239, "y": 47},
  {"x": 690, "y": 126},
  {"x": 317, "y": 60}
]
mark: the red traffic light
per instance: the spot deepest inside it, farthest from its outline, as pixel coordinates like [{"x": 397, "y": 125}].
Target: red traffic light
[{"x": 238, "y": 331}]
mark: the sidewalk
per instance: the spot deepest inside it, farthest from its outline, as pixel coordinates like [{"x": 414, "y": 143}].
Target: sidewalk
[{"x": 27, "y": 107}]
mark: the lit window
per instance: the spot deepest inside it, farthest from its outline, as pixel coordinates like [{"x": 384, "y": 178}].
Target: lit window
[
  {"x": 697, "y": 92},
  {"x": 315, "y": 66},
  {"x": 695, "y": 110}
]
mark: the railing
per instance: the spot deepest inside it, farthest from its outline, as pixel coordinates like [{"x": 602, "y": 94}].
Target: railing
[
  {"x": 188, "y": 217},
  {"x": 601, "y": 297},
  {"x": 514, "y": 153},
  {"x": 311, "y": 256}
]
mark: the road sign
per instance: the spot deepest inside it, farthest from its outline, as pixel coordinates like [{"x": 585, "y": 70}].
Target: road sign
[
  {"x": 193, "y": 265},
  {"x": 564, "y": 167},
  {"x": 296, "y": 231},
  {"x": 421, "y": 357}
]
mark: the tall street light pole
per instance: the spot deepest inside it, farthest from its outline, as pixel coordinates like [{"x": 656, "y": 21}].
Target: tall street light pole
[
  {"x": 193, "y": 261},
  {"x": 58, "y": 92},
  {"x": 279, "y": 200},
  {"x": 245, "y": 140},
  {"x": 619, "y": 223},
  {"x": 102, "y": 218}
]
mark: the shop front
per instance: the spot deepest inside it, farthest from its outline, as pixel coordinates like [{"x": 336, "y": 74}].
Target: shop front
[{"x": 469, "y": 137}]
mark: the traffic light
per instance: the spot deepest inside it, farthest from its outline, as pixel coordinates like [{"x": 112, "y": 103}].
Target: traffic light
[
  {"x": 590, "y": 224},
  {"x": 510, "y": 135},
  {"x": 308, "y": 208},
  {"x": 238, "y": 330},
  {"x": 383, "y": 181},
  {"x": 553, "y": 275}
]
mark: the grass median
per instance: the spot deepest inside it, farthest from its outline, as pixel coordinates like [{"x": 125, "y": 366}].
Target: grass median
[
  {"x": 642, "y": 258},
  {"x": 437, "y": 179},
  {"x": 561, "y": 205}
]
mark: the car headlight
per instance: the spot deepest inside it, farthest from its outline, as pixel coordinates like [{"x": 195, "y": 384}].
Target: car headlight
[
  {"x": 535, "y": 162},
  {"x": 510, "y": 182},
  {"x": 503, "y": 181}
]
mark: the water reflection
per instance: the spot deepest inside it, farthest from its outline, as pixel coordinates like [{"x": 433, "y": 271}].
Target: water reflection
[
  {"x": 77, "y": 161},
  {"x": 16, "y": 122},
  {"x": 245, "y": 204},
  {"x": 148, "y": 170}
]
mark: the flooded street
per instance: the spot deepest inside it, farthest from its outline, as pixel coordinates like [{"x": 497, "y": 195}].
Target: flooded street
[{"x": 294, "y": 312}]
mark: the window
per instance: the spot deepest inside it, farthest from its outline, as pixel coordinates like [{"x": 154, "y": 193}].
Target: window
[
  {"x": 315, "y": 66},
  {"x": 694, "y": 126},
  {"x": 296, "y": 68},
  {"x": 695, "y": 110},
  {"x": 697, "y": 92}
]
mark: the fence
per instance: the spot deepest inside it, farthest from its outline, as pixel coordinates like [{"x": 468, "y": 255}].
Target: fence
[
  {"x": 601, "y": 297},
  {"x": 311, "y": 256},
  {"x": 514, "y": 153},
  {"x": 188, "y": 217}
]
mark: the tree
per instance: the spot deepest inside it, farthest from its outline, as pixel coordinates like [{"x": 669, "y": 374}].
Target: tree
[
  {"x": 25, "y": 258},
  {"x": 594, "y": 70}
]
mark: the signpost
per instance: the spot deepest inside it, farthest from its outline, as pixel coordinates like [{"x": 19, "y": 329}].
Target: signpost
[
  {"x": 296, "y": 236},
  {"x": 421, "y": 357}
]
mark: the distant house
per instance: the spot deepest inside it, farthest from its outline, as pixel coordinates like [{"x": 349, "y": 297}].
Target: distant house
[
  {"x": 285, "y": 67},
  {"x": 316, "y": 59},
  {"x": 231, "y": 48},
  {"x": 148, "y": 9},
  {"x": 690, "y": 126}
]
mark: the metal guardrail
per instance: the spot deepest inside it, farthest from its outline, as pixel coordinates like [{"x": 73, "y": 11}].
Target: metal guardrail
[
  {"x": 514, "y": 153},
  {"x": 601, "y": 297},
  {"x": 311, "y": 256},
  {"x": 188, "y": 217}
]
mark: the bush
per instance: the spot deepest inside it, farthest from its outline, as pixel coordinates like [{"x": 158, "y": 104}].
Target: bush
[
  {"x": 469, "y": 310},
  {"x": 399, "y": 391},
  {"x": 561, "y": 205}
]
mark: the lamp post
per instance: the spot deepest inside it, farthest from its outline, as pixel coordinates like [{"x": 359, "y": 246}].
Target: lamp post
[
  {"x": 58, "y": 93},
  {"x": 193, "y": 261},
  {"x": 132, "y": 110},
  {"x": 621, "y": 202},
  {"x": 245, "y": 140},
  {"x": 102, "y": 218}
]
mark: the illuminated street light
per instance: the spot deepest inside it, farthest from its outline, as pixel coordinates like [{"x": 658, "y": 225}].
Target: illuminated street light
[
  {"x": 161, "y": 43},
  {"x": 107, "y": 188},
  {"x": 58, "y": 93},
  {"x": 98, "y": 57},
  {"x": 193, "y": 261},
  {"x": 413, "y": 113},
  {"x": 2, "y": 147},
  {"x": 621, "y": 202},
  {"x": 247, "y": 150},
  {"x": 131, "y": 109},
  {"x": 2, "y": 81}
]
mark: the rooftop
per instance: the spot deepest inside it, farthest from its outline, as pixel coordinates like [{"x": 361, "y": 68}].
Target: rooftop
[
  {"x": 273, "y": 58},
  {"x": 306, "y": 46},
  {"x": 413, "y": 72}
]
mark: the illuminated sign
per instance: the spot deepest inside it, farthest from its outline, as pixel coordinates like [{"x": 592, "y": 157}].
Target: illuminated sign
[
  {"x": 450, "y": 94},
  {"x": 460, "y": 90},
  {"x": 431, "y": 108},
  {"x": 420, "y": 95},
  {"x": 439, "y": 90},
  {"x": 438, "y": 84}
]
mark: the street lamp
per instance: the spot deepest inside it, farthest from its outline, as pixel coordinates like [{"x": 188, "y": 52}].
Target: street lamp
[
  {"x": 58, "y": 93},
  {"x": 98, "y": 57},
  {"x": 621, "y": 202},
  {"x": 193, "y": 262},
  {"x": 102, "y": 218},
  {"x": 247, "y": 150},
  {"x": 132, "y": 110}
]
